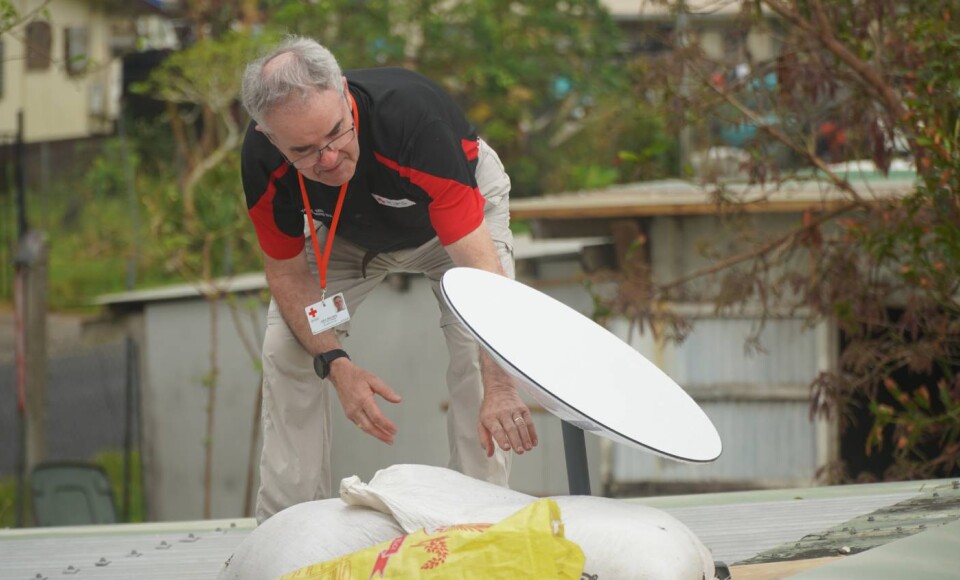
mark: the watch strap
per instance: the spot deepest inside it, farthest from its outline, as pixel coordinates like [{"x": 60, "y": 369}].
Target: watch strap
[{"x": 321, "y": 362}]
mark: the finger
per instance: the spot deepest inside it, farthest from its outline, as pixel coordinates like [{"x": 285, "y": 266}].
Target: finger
[
  {"x": 486, "y": 439},
  {"x": 373, "y": 422},
  {"x": 512, "y": 425},
  {"x": 531, "y": 430},
  {"x": 380, "y": 433},
  {"x": 524, "y": 426},
  {"x": 378, "y": 420},
  {"x": 500, "y": 435},
  {"x": 367, "y": 425},
  {"x": 383, "y": 389},
  {"x": 368, "y": 405}
]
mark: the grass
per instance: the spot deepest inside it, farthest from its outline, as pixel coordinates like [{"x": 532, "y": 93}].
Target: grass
[
  {"x": 8, "y": 502},
  {"x": 112, "y": 462}
]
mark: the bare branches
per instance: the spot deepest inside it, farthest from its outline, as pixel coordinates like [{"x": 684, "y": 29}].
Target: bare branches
[
  {"x": 782, "y": 137},
  {"x": 759, "y": 252}
]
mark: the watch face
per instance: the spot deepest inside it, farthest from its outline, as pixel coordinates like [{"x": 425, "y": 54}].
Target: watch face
[
  {"x": 321, "y": 366},
  {"x": 321, "y": 362}
]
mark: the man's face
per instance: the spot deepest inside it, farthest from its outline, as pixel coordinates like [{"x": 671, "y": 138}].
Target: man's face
[{"x": 298, "y": 128}]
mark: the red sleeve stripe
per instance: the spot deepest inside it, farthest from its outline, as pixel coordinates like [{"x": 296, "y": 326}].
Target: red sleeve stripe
[
  {"x": 456, "y": 209},
  {"x": 471, "y": 148},
  {"x": 273, "y": 242}
]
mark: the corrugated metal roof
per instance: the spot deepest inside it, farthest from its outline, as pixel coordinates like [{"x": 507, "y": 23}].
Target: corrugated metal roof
[
  {"x": 525, "y": 248},
  {"x": 739, "y": 526},
  {"x": 736, "y": 533},
  {"x": 735, "y": 526},
  {"x": 928, "y": 510},
  {"x": 648, "y": 10},
  {"x": 183, "y": 550},
  {"x": 677, "y": 197},
  {"x": 239, "y": 283},
  {"x": 931, "y": 555}
]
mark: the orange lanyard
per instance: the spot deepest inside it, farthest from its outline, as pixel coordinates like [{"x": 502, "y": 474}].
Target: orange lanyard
[{"x": 323, "y": 260}]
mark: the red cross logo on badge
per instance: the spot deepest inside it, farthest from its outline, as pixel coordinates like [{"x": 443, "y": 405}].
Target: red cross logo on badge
[{"x": 313, "y": 313}]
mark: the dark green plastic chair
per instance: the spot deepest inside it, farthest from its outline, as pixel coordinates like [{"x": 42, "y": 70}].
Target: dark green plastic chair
[{"x": 71, "y": 494}]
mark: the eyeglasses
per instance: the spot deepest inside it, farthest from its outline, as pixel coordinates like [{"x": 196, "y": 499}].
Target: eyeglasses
[{"x": 315, "y": 156}]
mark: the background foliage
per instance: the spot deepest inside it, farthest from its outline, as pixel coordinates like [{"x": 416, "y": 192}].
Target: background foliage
[
  {"x": 532, "y": 76},
  {"x": 884, "y": 270},
  {"x": 551, "y": 85}
]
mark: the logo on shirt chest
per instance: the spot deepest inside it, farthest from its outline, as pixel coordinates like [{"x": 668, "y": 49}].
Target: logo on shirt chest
[
  {"x": 319, "y": 213},
  {"x": 393, "y": 202}
]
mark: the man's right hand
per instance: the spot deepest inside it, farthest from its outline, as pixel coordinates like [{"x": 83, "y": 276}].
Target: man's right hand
[
  {"x": 293, "y": 286},
  {"x": 356, "y": 388}
]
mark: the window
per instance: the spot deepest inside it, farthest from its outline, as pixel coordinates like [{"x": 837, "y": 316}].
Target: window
[
  {"x": 39, "y": 41},
  {"x": 75, "y": 50}
]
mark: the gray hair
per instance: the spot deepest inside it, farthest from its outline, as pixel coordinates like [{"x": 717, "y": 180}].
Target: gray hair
[{"x": 305, "y": 66}]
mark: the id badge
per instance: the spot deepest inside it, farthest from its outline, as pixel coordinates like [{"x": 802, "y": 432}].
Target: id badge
[{"x": 327, "y": 313}]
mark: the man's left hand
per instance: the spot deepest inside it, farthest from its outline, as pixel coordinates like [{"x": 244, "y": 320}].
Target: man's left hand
[{"x": 505, "y": 418}]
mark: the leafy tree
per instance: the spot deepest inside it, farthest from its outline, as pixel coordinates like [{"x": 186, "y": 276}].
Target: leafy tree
[
  {"x": 11, "y": 17},
  {"x": 202, "y": 216},
  {"x": 542, "y": 79},
  {"x": 883, "y": 269}
]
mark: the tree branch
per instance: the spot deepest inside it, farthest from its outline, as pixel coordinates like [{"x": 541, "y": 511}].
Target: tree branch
[
  {"x": 759, "y": 251},
  {"x": 209, "y": 162},
  {"x": 19, "y": 19},
  {"x": 779, "y": 135},
  {"x": 823, "y": 32}
]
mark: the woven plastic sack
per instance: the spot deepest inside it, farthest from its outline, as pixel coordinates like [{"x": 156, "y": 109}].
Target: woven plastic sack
[
  {"x": 528, "y": 544},
  {"x": 619, "y": 539},
  {"x": 314, "y": 531}
]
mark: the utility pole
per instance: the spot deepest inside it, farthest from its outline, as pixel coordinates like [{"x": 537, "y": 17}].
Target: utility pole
[
  {"x": 20, "y": 346},
  {"x": 30, "y": 300}
]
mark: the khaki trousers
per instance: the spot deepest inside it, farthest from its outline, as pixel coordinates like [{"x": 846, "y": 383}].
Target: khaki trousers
[{"x": 297, "y": 433}]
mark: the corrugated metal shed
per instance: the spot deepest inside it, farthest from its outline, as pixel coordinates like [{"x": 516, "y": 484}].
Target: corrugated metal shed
[
  {"x": 759, "y": 403},
  {"x": 172, "y": 326}
]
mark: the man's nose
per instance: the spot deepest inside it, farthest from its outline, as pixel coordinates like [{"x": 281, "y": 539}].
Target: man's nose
[{"x": 329, "y": 158}]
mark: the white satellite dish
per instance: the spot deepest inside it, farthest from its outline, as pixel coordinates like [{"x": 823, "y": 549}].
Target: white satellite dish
[{"x": 578, "y": 370}]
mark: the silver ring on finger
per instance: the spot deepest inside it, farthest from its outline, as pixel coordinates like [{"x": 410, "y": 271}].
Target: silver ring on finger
[{"x": 518, "y": 419}]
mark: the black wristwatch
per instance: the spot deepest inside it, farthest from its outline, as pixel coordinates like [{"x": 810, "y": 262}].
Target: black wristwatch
[{"x": 321, "y": 362}]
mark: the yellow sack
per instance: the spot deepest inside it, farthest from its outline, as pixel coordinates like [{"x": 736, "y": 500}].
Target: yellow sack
[{"x": 528, "y": 544}]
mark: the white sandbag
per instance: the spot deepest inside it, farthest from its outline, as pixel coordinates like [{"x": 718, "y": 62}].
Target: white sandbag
[
  {"x": 620, "y": 539},
  {"x": 423, "y": 496},
  {"x": 627, "y": 540},
  {"x": 305, "y": 534}
]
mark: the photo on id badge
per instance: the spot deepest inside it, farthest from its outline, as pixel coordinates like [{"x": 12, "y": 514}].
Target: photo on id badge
[{"x": 327, "y": 313}]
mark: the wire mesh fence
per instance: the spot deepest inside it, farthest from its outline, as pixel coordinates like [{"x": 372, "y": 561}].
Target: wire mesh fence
[{"x": 85, "y": 409}]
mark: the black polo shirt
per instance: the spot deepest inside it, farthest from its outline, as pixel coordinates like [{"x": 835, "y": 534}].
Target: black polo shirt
[{"x": 415, "y": 176}]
